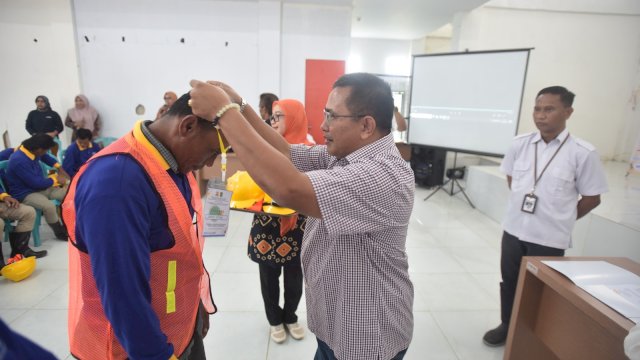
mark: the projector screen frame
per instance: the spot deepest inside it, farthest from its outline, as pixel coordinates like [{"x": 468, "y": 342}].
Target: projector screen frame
[{"x": 462, "y": 53}]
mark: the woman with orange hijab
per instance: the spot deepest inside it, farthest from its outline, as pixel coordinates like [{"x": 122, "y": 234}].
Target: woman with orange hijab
[
  {"x": 275, "y": 241},
  {"x": 169, "y": 98}
]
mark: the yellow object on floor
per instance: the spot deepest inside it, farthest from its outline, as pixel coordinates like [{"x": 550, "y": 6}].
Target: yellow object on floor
[{"x": 19, "y": 270}]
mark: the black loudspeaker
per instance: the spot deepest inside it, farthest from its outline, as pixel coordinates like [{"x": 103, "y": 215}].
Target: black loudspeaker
[{"x": 428, "y": 165}]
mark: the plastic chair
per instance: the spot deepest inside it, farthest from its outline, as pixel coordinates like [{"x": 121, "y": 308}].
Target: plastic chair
[
  {"x": 63, "y": 152},
  {"x": 9, "y": 226},
  {"x": 56, "y": 150}
]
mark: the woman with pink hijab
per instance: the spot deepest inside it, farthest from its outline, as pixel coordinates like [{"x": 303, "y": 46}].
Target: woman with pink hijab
[{"x": 83, "y": 116}]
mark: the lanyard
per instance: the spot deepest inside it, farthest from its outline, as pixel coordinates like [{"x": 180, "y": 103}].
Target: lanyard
[
  {"x": 223, "y": 160},
  {"x": 535, "y": 163}
]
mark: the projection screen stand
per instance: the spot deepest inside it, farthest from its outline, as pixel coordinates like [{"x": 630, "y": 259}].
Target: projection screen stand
[{"x": 453, "y": 175}]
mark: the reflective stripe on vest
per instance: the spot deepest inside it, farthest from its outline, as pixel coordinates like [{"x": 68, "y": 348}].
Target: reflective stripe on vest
[
  {"x": 179, "y": 281},
  {"x": 171, "y": 287}
]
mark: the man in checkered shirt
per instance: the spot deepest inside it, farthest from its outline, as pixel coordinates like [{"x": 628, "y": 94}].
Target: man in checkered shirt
[{"x": 358, "y": 194}]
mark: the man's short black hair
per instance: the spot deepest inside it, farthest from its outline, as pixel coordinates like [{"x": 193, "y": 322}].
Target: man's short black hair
[
  {"x": 84, "y": 134},
  {"x": 181, "y": 108},
  {"x": 370, "y": 95},
  {"x": 39, "y": 141},
  {"x": 566, "y": 96}
]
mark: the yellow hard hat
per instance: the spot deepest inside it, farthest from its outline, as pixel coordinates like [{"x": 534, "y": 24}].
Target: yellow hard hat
[
  {"x": 269, "y": 206},
  {"x": 245, "y": 191},
  {"x": 19, "y": 270}
]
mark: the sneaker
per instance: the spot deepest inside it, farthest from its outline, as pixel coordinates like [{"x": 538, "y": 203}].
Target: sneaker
[
  {"x": 278, "y": 334},
  {"x": 497, "y": 336},
  {"x": 296, "y": 330}
]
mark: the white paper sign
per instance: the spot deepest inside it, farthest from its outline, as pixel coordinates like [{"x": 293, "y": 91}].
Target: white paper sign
[
  {"x": 216, "y": 211},
  {"x": 616, "y": 287}
]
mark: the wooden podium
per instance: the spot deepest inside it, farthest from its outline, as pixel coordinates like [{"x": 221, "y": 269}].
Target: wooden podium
[{"x": 555, "y": 319}]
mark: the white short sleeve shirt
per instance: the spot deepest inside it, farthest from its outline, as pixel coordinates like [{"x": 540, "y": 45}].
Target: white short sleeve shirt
[{"x": 575, "y": 170}]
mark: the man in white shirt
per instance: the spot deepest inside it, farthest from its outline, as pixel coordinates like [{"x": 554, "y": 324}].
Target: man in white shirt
[{"x": 555, "y": 179}]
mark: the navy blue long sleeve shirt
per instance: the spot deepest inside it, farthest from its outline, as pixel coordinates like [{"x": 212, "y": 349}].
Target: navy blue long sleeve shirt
[
  {"x": 74, "y": 157},
  {"x": 24, "y": 174},
  {"x": 120, "y": 221}
]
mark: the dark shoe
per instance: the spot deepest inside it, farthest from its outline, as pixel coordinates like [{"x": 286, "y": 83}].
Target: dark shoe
[
  {"x": 59, "y": 231},
  {"x": 19, "y": 242},
  {"x": 37, "y": 254},
  {"x": 497, "y": 336},
  {"x": 16, "y": 242}
]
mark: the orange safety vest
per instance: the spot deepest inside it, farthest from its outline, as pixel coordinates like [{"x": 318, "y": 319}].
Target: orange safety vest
[{"x": 178, "y": 281}]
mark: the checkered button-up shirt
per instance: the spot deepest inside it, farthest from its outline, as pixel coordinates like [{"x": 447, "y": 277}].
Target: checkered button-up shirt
[{"x": 359, "y": 296}]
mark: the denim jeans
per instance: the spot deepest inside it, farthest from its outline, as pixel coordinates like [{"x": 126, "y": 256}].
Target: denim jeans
[{"x": 324, "y": 352}]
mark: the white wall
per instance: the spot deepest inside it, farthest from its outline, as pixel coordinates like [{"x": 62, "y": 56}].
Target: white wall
[
  {"x": 374, "y": 54},
  {"x": 269, "y": 47},
  {"x": 594, "y": 54},
  {"x": 220, "y": 42},
  {"x": 311, "y": 32},
  {"x": 437, "y": 41},
  {"x": 255, "y": 46},
  {"x": 46, "y": 67},
  {"x": 431, "y": 45}
]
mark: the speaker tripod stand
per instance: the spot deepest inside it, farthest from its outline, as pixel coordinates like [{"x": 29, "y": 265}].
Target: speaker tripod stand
[{"x": 453, "y": 175}]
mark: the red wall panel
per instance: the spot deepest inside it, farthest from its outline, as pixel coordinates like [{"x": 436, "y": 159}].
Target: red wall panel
[{"x": 319, "y": 77}]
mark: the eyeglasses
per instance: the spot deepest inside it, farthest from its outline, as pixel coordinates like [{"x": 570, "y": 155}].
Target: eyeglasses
[
  {"x": 329, "y": 116},
  {"x": 276, "y": 118}
]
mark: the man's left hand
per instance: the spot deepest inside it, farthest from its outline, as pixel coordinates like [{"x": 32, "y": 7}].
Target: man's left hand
[{"x": 11, "y": 202}]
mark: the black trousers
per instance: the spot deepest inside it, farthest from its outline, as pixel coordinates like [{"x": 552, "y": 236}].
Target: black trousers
[
  {"x": 513, "y": 249},
  {"x": 270, "y": 286},
  {"x": 195, "y": 349}
]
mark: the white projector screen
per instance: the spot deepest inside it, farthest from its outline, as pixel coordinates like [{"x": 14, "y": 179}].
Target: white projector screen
[{"x": 467, "y": 102}]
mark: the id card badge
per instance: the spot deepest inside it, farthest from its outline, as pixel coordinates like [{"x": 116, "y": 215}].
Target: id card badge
[
  {"x": 216, "y": 208},
  {"x": 529, "y": 203}
]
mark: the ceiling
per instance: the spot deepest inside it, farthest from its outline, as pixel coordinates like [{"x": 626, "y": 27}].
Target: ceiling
[
  {"x": 404, "y": 19},
  {"x": 398, "y": 19},
  {"x": 380, "y": 19}
]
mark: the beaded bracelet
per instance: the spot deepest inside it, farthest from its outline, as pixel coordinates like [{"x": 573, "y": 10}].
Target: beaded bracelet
[{"x": 224, "y": 109}]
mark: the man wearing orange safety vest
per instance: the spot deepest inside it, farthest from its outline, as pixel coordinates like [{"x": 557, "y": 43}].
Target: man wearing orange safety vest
[{"x": 138, "y": 286}]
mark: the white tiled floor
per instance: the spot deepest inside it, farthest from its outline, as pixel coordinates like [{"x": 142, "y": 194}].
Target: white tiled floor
[{"x": 454, "y": 264}]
